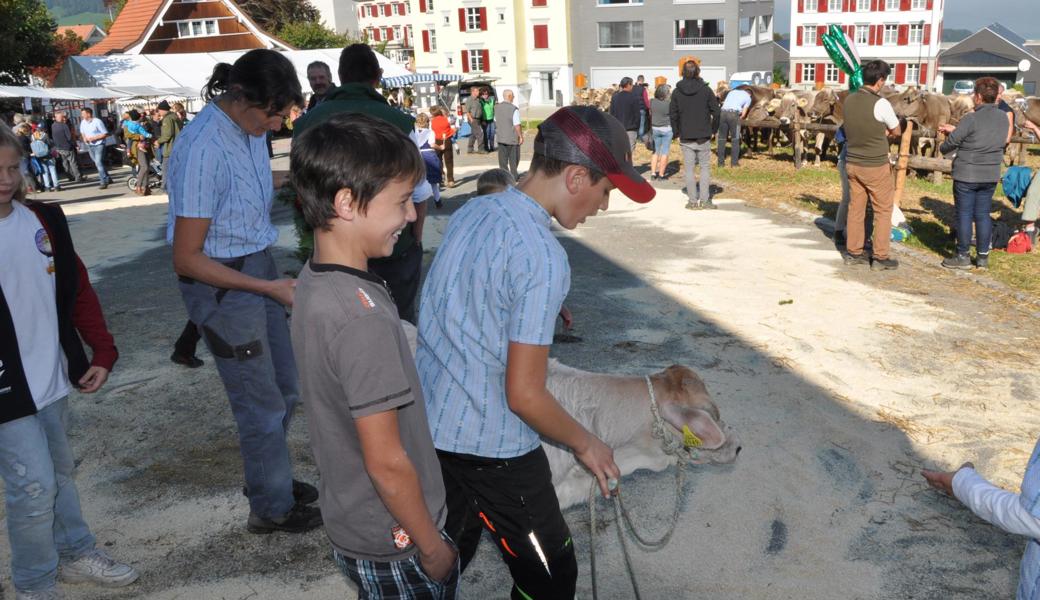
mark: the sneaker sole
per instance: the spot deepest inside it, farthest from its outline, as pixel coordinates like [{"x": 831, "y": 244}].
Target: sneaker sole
[
  {"x": 957, "y": 267},
  {"x": 115, "y": 582}
]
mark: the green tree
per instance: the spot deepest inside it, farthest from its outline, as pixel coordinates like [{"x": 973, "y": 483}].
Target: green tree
[
  {"x": 307, "y": 35},
  {"x": 66, "y": 45},
  {"x": 273, "y": 15},
  {"x": 26, "y": 39},
  {"x": 779, "y": 75}
]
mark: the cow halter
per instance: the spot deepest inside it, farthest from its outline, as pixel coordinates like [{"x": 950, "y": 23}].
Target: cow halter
[{"x": 682, "y": 449}]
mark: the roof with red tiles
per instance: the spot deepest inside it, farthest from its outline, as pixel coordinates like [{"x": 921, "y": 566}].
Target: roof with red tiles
[
  {"x": 130, "y": 27},
  {"x": 84, "y": 31}
]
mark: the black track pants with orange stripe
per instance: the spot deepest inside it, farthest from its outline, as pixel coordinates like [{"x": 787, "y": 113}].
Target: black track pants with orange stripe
[{"x": 514, "y": 501}]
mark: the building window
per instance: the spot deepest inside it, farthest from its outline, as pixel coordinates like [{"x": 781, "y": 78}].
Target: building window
[
  {"x": 548, "y": 89},
  {"x": 429, "y": 6},
  {"x": 397, "y": 32},
  {"x": 505, "y": 59},
  {"x": 700, "y": 32},
  {"x": 433, "y": 40},
  {"x": 613, "y": 2},
  {"x": 747, "y": 26},
  {"x": 809, "y": 72},
  {"x": 913, "y": 73},
  {"x": 447, "y": 19},
  {"x": 476, "y": 60},
  {"x": 916, "y": 34},
  {"x": 621, "y": 34},
  {"x": 809, "y": 35},
  {"x": 501, "y": 16},
  {"x": 862, "y": 35},
  {"x": 200, "y": 28},
  {"x": 541, "y": 37},
  {"x": 810, "y": 6},
  {"x": 918, "y": 4},
  {"x": 892, "y": 4},
  {"x": 830, "y": 73},
  {"x": 834, "y": 5},
  {"x": 862, "y": 5},
  {"x": 764, "y": 22},
  {"x": 450, "y": 60},
  {"x": 472, "y": 20},
  {"x": 891, "y": 35}
]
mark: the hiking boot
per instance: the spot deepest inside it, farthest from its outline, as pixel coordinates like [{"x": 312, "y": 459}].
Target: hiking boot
[
  {"x": 51, "y": 593},
  {"x": 97, "y": 567},
  {"x": 299, "y": 519},
  {"x": 884, "y": 264},
  {"x": 982, "y": 261},
  {"x": 709, "y": 205},
  {"x": 852, "y": 260},
  {"x": 694, "y": 206},
  {"x": 302, "y": 493},
  {"x": 959, "y": 261}
]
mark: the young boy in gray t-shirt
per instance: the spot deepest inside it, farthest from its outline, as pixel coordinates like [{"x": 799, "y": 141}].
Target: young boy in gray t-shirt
[{"x": 382, "y": 497}]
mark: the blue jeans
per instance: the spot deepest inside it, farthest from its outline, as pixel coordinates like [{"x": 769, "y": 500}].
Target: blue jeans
[
  {"x": 248, "y": 335},
  {"x": 97, "y": 154},
  {"x": 49, "y": 172},
  {"x": 489, "y": 137},
  {"x": 973, "y": 202},
  {"x": 44, "y": 521},
  {"x": 662, "y": 140}
]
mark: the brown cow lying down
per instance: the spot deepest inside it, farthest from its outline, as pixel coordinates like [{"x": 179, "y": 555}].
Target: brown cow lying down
[{"x": 616, "y": 408}]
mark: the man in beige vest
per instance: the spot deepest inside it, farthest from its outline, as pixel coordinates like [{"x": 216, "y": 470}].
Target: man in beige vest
[{"x": 869, "y": 123}]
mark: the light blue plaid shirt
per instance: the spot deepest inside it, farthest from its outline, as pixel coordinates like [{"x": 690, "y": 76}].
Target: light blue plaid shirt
[
  {"x": 500, "y": 275},
  {"x": 219, "y": 172},
  {"x": 1029, "y": 574}
]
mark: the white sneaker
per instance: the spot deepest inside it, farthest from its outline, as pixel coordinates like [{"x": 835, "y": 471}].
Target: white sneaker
[
  {"x": 97, "y": 567},
  {"x": 51, "y": 593}
]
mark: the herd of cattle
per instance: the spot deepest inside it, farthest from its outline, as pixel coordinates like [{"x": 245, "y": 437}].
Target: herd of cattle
[{"x": 776, "y": 114}]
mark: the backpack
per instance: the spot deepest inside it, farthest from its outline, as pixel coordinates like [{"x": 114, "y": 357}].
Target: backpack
[
  {"x": 1019, "y": 243},
  {"x": 40, "y": 149},
  {"x": 1001, "y": 235}
]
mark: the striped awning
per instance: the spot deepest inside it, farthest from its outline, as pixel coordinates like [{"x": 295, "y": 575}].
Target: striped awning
[{"x": 394, "y": 82}]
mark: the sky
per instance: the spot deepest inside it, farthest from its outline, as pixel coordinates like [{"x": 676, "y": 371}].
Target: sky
[{"x": 1020, "y": 16}]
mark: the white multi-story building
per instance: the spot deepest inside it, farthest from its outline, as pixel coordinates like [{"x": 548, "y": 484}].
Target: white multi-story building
[
  {"x": 338, "y": 15},
  {"x": 389, "y": 22},
  {"x": 903, "y": 33},
  {"x": 522, "y": 45}
]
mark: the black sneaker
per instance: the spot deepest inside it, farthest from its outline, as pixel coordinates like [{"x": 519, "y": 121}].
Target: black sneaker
[
  {"x": 103, "y": 186},
  {"x": 855, "y": 259},
  {"x": 884, "y": 264},
  {"x": 302, "y": 493},
  {"x": 839, "y": 237},
  {"x": 959, "y": 261},
  {"x": 982, "y": 261},
  {"x": 299, "y": 519},
  {"x": 192, "y": 362}
]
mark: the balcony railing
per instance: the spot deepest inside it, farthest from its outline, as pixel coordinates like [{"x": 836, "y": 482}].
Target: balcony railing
[{"x": 700, "y": 41}]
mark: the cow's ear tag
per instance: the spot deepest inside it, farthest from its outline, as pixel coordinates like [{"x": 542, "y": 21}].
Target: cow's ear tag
[{"x": 689, "y": 439}]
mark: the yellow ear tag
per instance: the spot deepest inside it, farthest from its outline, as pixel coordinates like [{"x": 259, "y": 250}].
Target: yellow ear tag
[{"x": 689, "y": 439}]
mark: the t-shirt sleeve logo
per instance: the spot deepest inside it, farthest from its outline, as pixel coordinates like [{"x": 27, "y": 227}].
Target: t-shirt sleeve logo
[{"x": 365, "y": 299}]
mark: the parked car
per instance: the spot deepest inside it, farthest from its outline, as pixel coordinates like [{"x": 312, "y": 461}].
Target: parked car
[
  {"x": 454, "y": 95},
  {"x": 964, "y": 87}
]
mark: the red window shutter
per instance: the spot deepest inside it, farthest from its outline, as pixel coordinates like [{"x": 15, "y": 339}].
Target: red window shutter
[
  {"x": 874, "y": 4},
  {"x": 901, "y": 73},
  {"x": 821, "y": 6},
  {"x": 426, "y": 40},
  {"x": 541, "y": 37},
  {"x": 904, "y": 35},
  {"x": 389, "y": 34},
  {"x": 923, "y": 78},
  {"x": 871, "y": 32},
  {"x": 483, "y": 18},
  {"x": 841, "y": 76},
  {"x": 928, "y": 34},
  {"x": 904, "y": 5},
  {"x": 797, "y": 72},
  {"x": 386, "y": 10},
  {"x": 373, "y": 10},
  {"x": 820, "y": 31},
  {"x": 799, "y": 35},
  {"x": 486, "y": 55},
  {"x": 819, "y": 72},
  {"x": 462, "y": 19},
  {"x": 422, "y": 6},
  {"x": 375, "y": 35},
  {"x": 929, "y": 5},
  {"x": 538, "y": 3},
  {"x": 465, "y": 61}
]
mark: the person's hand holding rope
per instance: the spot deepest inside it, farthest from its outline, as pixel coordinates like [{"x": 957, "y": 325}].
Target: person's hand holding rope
[{"x": 598, "y": 458}]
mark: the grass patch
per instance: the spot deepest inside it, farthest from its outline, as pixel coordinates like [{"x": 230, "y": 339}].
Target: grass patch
[
  {"x": 772, "y": 181},
  {"x": 530, "y": 124}
]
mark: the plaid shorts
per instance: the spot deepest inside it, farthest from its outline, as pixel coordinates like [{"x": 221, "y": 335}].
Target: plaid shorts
[{"x": 397, "y": 580}]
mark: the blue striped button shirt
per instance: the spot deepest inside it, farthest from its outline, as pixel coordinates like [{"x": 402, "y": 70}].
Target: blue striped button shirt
[
  {"x": 219, "y": 172},
  {"x": 500, "y": 275}
]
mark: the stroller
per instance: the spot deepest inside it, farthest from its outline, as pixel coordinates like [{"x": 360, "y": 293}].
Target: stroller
[{"x": 154, "y": 175}]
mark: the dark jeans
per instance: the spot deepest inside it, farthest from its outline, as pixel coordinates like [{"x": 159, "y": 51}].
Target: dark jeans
[
  {"x": 69, "y": 164},
  {"x": 513, "y": 499},
  {"x": 489, "y": 136},
  {"x": 401, "y": 274},
  {"x": 729, "y": 126},
  {"x": 973, "y": 202},
  {"x": 509, "y": 158}
]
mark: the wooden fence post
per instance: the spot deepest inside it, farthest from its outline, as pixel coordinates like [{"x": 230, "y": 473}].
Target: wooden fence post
[{"x": 901, "y": 163}]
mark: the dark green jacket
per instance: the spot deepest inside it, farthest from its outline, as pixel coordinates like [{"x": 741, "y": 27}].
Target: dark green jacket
[
  {"x": 364, "y": 99},
  {"x": 169, "y": 129}
]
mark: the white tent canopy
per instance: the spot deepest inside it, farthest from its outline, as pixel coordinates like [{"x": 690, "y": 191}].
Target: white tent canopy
[
  {"x": 184, "y": 72},
  {"x": 31, "y": 91}
]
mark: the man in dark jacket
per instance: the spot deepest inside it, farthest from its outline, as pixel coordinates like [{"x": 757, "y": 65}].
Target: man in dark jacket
[
  {"x": 65, "y": 143},
  {"x": 694, "y": 112},
  {"x": 170, "y": 126},
  {"x": 625, "y": 106},
  {"x": 359, "y": 73},
  {"x": 46, "y": 306}
]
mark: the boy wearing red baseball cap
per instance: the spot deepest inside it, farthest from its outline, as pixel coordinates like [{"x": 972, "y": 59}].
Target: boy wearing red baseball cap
[{"x": 488, "y": 311}]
